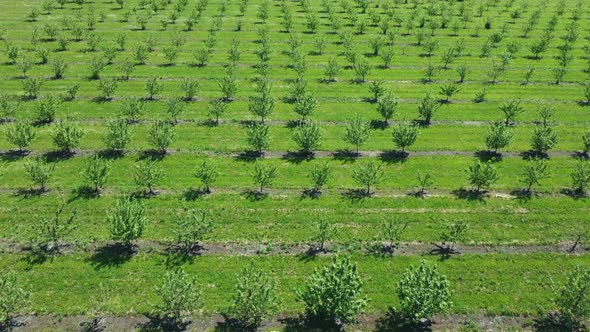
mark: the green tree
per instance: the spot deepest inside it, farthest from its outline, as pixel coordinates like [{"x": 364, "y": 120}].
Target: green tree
[
  {"x": 453, "y": 233},
  {"x": 258, "y": 137},
  {"x": 174, "y": 106},
  {"x": 581, "y": 176},
  {"x": 132, "y": 109},
  {"x": 511, "y": 109},
  {"x": 324, "y": 233},
  {"x": 207, "y": 172},
  {"x": 423, "y": 292},
  {"x": 361, "y": 68},
  {"x": 180, "y": 295},
  {"x": 387, "y": 106},
  {"x": 586, "y": 142},
  {"x": 305, "y": 106},
  {"x": 535, "y": 171},
  {"x": 448, "y": 90},
  {"x": 319, "y": 175},
  {"x": 45, "y": 109},
  {"x": 13, "y": 297},
  {"x": 189, "y": 87},
  {"x": 482, "y": 175},
  {"x": 147, "y": 175},
  {"x": 404, "y": 135},
  {"x": 191, "y": 227},
  {"x": 572, "y": 298},
  {"x": 331, "y": 70},
  {"x": 153, "y": 86},
  {"x": 498, "y": 136},
  {"x": 367, "y": 175},
  {"x": 117, "y": 135},
  {"x": 308, "y": 136},
  {"x": 127, "y": 220},
  {"x": 254, "y": 299},
  {"x": 425, "y": 180},
  {"x": 216, "y": 109},
  {"x": 161, "y": 135},
  {"x": 333, "y": 294},
  {"x": 264, "y": 175},
  {"x": 543, "y": 139},
  {"x": 66, "y": 135},
  {"x": 428, "y": 107},
  {"x": 49, "y": 232},
  {"x": 39, "y": 172},
  {"x": 21, "y": 134},
  {"x": 96, "y": 172},
  {"x": 263, "y": 103},
  {"x": 356, "y": 132}
]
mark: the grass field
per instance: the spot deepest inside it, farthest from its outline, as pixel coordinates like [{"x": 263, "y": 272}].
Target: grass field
[{"x": 495, "y": 284}]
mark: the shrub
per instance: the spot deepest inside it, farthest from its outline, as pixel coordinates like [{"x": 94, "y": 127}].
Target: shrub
[
  {"x": 482, "y": 175},
  {"x": 305, "y": 106},
  {"x": 127, "y": 220},
  {"x": 543, "y": 139},
  {"x": 404, "y": 135},
  {"x": 331, "y": 70},
  {"x": 319, "y": 175},
  {"x": 21, "y": 134},
  {"x": 207, "y": 172},
  {"x": 24, "y": 64},
  {"x": 324, "y": 233},
  {"x": 216, "y": 109},
  {"x": 59, "y": 67},
  {"x": 174, "y": 107},
  {"x": 48, "y": 233},
  {"x": 367, "y": 175},
  {"x": 66, "y": 135},
  {"x": 387, "y": 106},
  {"x": 180, "y": 295},
  {"x": 511, "y": 108},
  {"x": 191, "y": 228},
  {"x": 264, "y": 175},
  {"x": 107, "y": 87},
  {"x": 8, "y": 108},
  {"x": 428, "y": 107},
  {"x": 140, "y": 54},
  {"x": 13, "y": 297},
  {"x": 32, "y": 86},
  {"x": 258, "y": 137},
  {"x": 189, "y": 86},
  {"x": 572, "y": 298},
  {"x": 449, "y": 90},
  {"x": 535, "y": 171},
  {"x": 308, "y": 136},
  {"x": 333, "y": 294},
  {"x": 356, "y": 132},
  {"x": 45, "y": 109},
  {"x": 117, "y": 135},
  {"x": 97, "y": 64},
  {"x": 39, "y": 172},
  {"x": 227, "y": 85},
  {"x": 153, "y": 86},
  {"x": 254, "y": 300},
  {"x": 147, "y": 175},
  {"x": 581, "y": 176},
  {"x": 423, "y": 292},
  {"x": 96, "y": 172},
  {"x": 132, "y": 109},
  {"x": 498, "y": 136}
]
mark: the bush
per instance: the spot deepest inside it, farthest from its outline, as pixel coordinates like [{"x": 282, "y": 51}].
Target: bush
[
  {"x": 21, "y": 134},
  {"x": 319, "y": 175},
  {"x": 192, "y": 226},
  {"x": 258, "y": 137},
  {"x": 333, "y": 295},
  {"x": 96, "y": 172},
  {"x": 161, "y": 135},
  {"x": 66, "y": 135},
  {"x": 32, "y": 86},
  {"x": 48, "y": 233},
  {"x": 367, "y": 175},
  {"x": 207, "y": 173},
  {"x": 428, "y": 107},
  {"x": 264, "y": 175},
  {"x": 572, "y": 298},
  {"x": 498, "y": 136},
  {"x": 535, "y": 171},
  {"x": 423, "y": 292},
  {"x": 404, "y": 135},
  {"x": 117, "y": 135},
  {"x": 147, "y": 175},
  {"x": 180, "y": 295},
  {"x": 308, "y": 136},
  {"x": 153, "y": 86},
  {"x": 255, "y": 298},
  {"x": 127, "y": 220},
  {"x": 13, "y": 297},
  {"x": 39, "y": 172},
  {"x": 387, "y": 106},
  {"x": 482, "y": 175},
  {"x": 356, "y": 132}
]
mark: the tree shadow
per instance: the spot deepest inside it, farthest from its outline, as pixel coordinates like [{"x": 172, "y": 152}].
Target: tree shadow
[
  {"x": 393, "y": 157},
  {"x": 193, "y": 194},
  {"x": 355, "y": 195},
  {"x": 10, "y": 323},
  {"x": 31, "y": 192},
  {"x": 293, "y": 124},
  {"x": 156, "y": 155},
  {"x": 530, "y": 154},
  {"x": 84, "y": 192},
  {"x": 58, "y": 155},
  {"x": 345, "y": 156},
  {"x": 111, "y": 154},
  {"x": 379, "y": 124},
  {"x": 581, "y": 155},
  {"x": 13, "y": 155},
  {"x": 254, "y": 195},
  {"x": 159, "y": 323},
  {"x": 470, "y": 194},
  {"x": 111, "y": 255},
  {"x": 574, "y": 193},
  {"x": 311, "y": 193},
  {"x": 230, "y": 324},
  {"x": 92, "y": 325},
  {"x": 444, "y": 251},
  {"x": 305, "y": 323},
  {"x": 297, "y": 157},
  {"x": 556, "y": 322},
  {"x": 522, "y": 194},
  {"x": 394, "y": 321},
  {"x": 486, "y": 155},
  {"x": 249, "y": 156}
]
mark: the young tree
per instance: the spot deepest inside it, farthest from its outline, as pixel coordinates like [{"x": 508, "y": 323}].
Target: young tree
[
  {"x": 174, "y": 106},
  {"x": 424, "y": 181},
  {"x": 308, "y": 136},
  {"x": 449, "y": 90},
  {"x": 263, "y": 103},
  {"x": 581, "y": 177},
  {"x": 324, "y": 233},
  {"x": 356, "y": 132},
  {"x": 572, "y": 298},
  {"x": 66, "y": 135},
  {"x": 13, "y": 297},
  {"x": 228, "y": 86},
  {"x": 127, "y": 220},
  {"x": 586, "y": 142},
  {"x": 482, "y": 175},
  {"x": 305, "y": 106},
  {"x": 331, "y": 70},
  {"x": 39, "y": 172},
  {"x": 8, "y": 107},
  {"x": 258, "y": 137},
  {"x": 189, "y": 86},
  {"x": 391, "y": 232},
  {"x": 96, "y": 172},
  {"x": 161, "y": 135},
  {"x": 543, "y": 139},
  {"x": 333, "y": 294},
  {"x": 377, "y": 89},
  {"x": 117, "y": 135},
  {"x": 191, "y": 227},
  {"x": 32, "y": 86},
  {"x": 207, "y": 172},
  {"x": 498, "y": 136},
  {"x": 404, "y": 135},
  {"x": 153, "y": 86},
  {"x": 319, "y": 175},
  {"x": 535, "y": 171},
  {"x": 367, "y": 175},
  {"x": 361, "y": 68},
  {"x": 264, "y": 175},
  {"x": 511, "y": 109},
  {"x": 254, "y": 300},
  {"x": 59, "y": 67},
  {"x": 180, "y": 295},
  {"x": 107, "y": 87},
  {"x": 427, "y": 107},
  {"x": 21, "y": 134},
  {"x": 387, "y": 106},
  {"x": 423, "y": 292},
  {"x": 48, "y": 233},
  {"x": 147, "y": 175},
  {"x": 45, "y": 109},
  {"x": 132, "y": 109}
]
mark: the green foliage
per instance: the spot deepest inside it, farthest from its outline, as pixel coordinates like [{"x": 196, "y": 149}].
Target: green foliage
[
  {"x": 117, "y": 135},
  {"x": 258, "y": 136},
  {"x": 387, "y": 106},
  {"x": 132, "y": 109},
  {"x": 262, "y": 104},
  {"x": 107, "y": 87},
  {"x": 45, "y": 109},
  {"x": 32, "y": 86},
  {"x": 189, "y": 87},
  {"x": 423, "y": 292},
  {"x": 498, "y": 136},
  {"x": 13, "y": 297},
  {"x": 161, "y": 135},
  {"x": 191, "y": 227},
  {"x": 254, "y": 300},
  {"x": 49, "y": 232},
  {"x": 264, "y": 174},
  {"x": 174, "y": 106},
  {"x": 319, "y": 175},
  {"x": 21, "y": 134},
  {"x": 572, "y": 298},
  {"x": 331, "y": 70},
  {"x": 96, "y": 172},
  {"x": 427, "y": 108},
  {"x": 482, "y": 175},
  {"x": 511, "y": 108},
  {"x": 8, "y": 107},
  {"x": 305, "y": 106},
  {"x": 448, "y": 90},
  {"x": 586, "y": 141},
  {"x": 153, "y": 87},
  {"x": 207, "y": 172},
  {"x": 535, "y": 171},
  {"x": 368, "y": 174},
  {"x": 361, "y": 68},
  {"x": 59, "y": 67},
  {"x": 147, "y": 175},
  {"x": 39, "y": 172},
  {"x": 333, "y": 294},
  {"x": 543, "y": 139},
  {"x": 217, "y": 107},
  {"x": 308, "y": 136},
  {"x": 66, "y": 135},
  {"x": 127, "y": 220},
  {"x": 180, "y": 295},
  {"x": 228, "y": 86},
  {"x": 97, "y": 64},
  {"x": 356, "y": 132},
  {"x": 405, "y": 134},
  {"x": 452, "y": 233},
  {"x": 324, "y": 233},
  {"x": 581, "y": 176}
]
